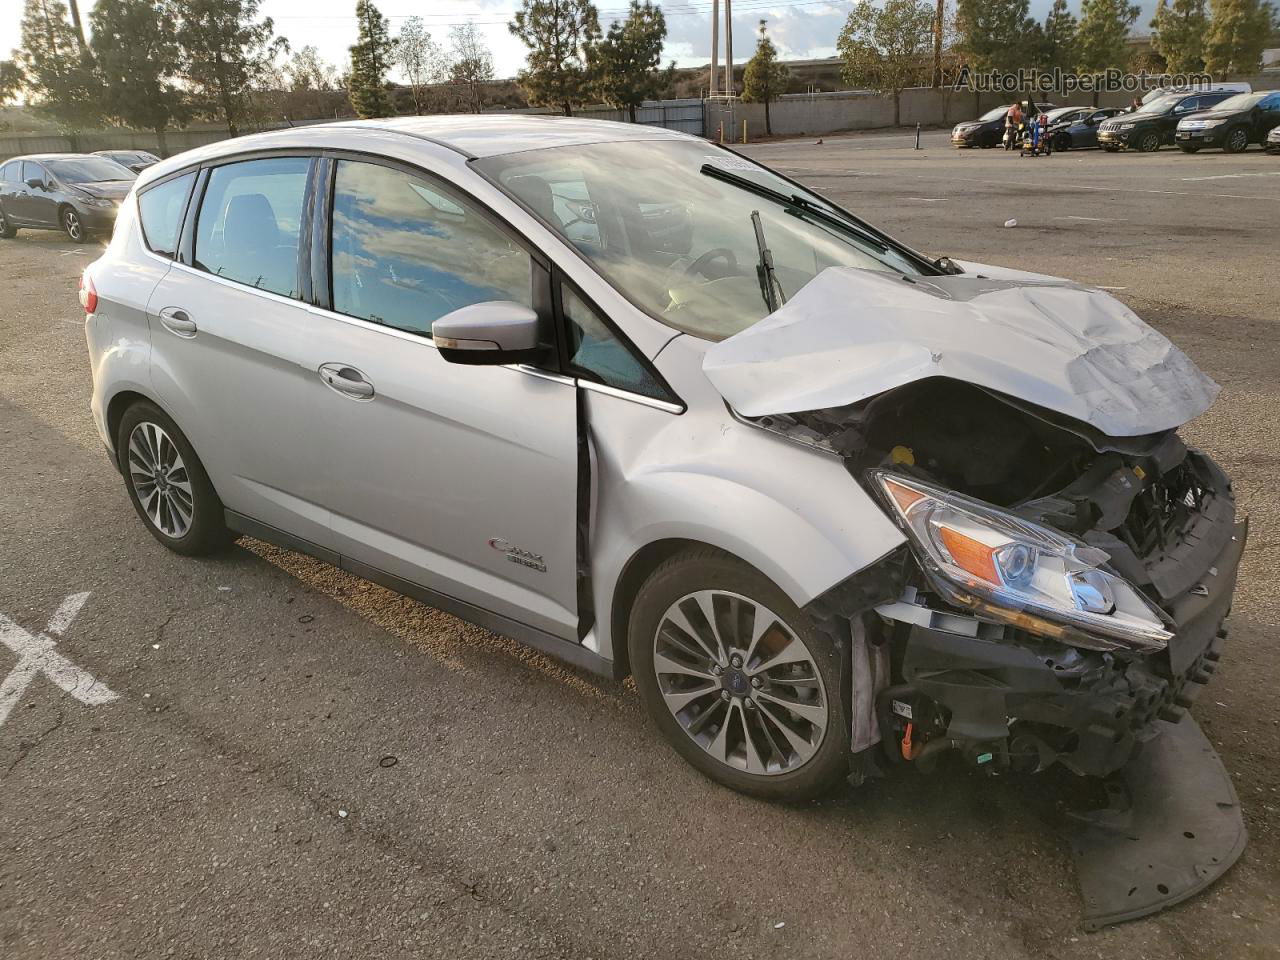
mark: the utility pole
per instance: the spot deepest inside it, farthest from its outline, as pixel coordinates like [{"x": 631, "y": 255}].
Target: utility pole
[
  {"x": 729, "y": 87},
  {"x": 937, "y": 43},
  {"x": 715, "y": 48}
]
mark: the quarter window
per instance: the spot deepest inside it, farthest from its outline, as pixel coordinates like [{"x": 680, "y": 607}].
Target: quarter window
[
  {"x": 596, "y": 351},
  {"x": 250, "y": 220},
  {"x": 161, "y": 213},
  {"x": 406, "y": 250}
]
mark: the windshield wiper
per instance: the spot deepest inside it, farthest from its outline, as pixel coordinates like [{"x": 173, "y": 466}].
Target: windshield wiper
[
  {"x": 770, "y": 288},
  {"x": 839, "y": 221}
]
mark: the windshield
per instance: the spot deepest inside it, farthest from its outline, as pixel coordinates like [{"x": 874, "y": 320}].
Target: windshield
[
  {"x": 1160, "y": 105},
  {"x": 680, "y": 242},
  {"x": 89, "y": 170},
  {"x": 1062, "y": 113},
  {"x": 997, "y": 112},
  {"x": 1241, "y": 101}
]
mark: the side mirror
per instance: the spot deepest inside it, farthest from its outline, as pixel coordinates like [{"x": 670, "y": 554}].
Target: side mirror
[
  {"x": 35, "y": 183},
  {"x": 491, "y": 333}
]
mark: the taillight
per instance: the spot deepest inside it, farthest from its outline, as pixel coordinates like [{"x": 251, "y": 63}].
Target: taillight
[{"x": 88, "y": 295}]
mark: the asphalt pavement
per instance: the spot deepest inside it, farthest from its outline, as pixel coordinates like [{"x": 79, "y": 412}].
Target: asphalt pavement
[{"x": 259, "y": 756}]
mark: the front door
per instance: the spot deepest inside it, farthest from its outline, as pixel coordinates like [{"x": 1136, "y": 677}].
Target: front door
[
  {"x": 462, "y": 479},
  {"x": 35, "y": 204},
  {"x": 235, "y": 352}
]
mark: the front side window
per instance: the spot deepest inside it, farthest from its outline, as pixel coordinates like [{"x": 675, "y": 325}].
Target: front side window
[
  {"x": 665, "y": 223},
  {"x": 595, "y": 351},
  {"x": 249, "y": 223},
  {"x": 406, "y": 250},
  {"x": 33, "y": 171},
  {"x": 160, "y": 209}
]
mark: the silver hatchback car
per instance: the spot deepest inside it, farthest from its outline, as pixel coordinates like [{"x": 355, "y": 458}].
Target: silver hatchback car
[{"x": 651, "y": 407}]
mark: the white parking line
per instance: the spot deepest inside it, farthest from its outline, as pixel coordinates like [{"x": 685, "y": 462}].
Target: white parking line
[
  {"x": 36, "y": 656},
  {"x": 1097, "y": 219},
  {"x": 928, "y": 199},
  {"x": 1233, "y": 176}
]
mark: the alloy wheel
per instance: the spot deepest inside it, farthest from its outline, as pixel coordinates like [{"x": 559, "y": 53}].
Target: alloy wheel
[
  {"x": 1150, "y": 143},
  {"x": 160, "y": 480},
  {"x": 1238, "y": 141},
  {"x": 71, "y": 223},
  {"x": 741, "y": 684}
]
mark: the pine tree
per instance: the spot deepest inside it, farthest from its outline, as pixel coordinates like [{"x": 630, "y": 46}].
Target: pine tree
[
  {"x": 764, "y": 78},
  {"x": 135, "y": 45},
  {"x": 625, "y": 65},
  {"x": 1059, "y": 38},
  {"x": 1238, "y": 33},
  {"x": 370, "y": 60},
  {"x": 49, "y": 69},
  {"x": 1178, "y": 32},
  {"x": 558, "y": 34},
  {"x": 226, "y": 53},
  {"x": 993, "y": 34},
  {"x": 886, "y": 48},
  {"x": 1102, "y": 36}
]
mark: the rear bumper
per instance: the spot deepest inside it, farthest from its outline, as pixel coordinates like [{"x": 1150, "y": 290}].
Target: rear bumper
[{"x": 1029, "y": 704}]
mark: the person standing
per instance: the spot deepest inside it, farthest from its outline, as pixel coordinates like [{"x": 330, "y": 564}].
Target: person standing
[{"x": 1012, "y": 124}]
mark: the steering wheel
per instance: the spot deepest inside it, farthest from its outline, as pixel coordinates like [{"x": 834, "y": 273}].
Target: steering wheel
[{"x": 700, "y": 265}]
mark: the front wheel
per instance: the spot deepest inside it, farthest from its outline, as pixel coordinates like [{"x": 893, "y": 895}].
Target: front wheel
[
  {"x": 1149, "y": 143},
  {"x": 168, "y": 484},
  {"x": 73, "y": 226},
  {"x": 739, "y": 680},
  {"x": 1062, "y": 142},
  {"x": 1237, "y": 141},
  {"x": 1189, "y": 147}
]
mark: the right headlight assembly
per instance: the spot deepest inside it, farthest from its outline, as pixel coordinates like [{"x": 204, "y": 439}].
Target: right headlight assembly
[{"x": 1008, "y": 569}]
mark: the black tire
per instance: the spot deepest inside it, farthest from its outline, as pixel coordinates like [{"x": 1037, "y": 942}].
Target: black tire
[
  {"x": 1189, "y": 147},
  {"x": 73, "y": 225},
  {"x": 1062, "y": 142},
  {"x": 707, "y": 569},
  {"x": 1236, "y": 140},
  {"x": 206, "y": 531},
  {"x": 1111, "y": 149},
  {"x": 7, "y": 230},
  {"x": 1149, "y": 142}
]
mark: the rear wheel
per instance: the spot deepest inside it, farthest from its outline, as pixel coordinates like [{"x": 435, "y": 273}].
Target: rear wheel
[
  {"x": 1150, "y": 142},
  {"x": 1237, "y": 141},
  {"x": 72, "y": 225},
  {"x": 167, "y": 483},
  {"x": 7, "y": 230},
  {"x": 739, "y": 680}
]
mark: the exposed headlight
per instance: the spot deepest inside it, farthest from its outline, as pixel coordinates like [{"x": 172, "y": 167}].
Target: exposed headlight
[
  {"x": 99, "y": 201},
  {"x": 1018, "y": 572}
]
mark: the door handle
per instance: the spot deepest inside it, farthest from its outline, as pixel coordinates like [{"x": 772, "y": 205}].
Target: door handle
[
  {"x": 176, "y": 321},
  {"x": 347, "y": 380}
]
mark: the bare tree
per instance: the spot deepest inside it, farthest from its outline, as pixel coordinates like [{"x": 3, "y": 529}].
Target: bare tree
[
  {"x": 470, "y": 63},
  {"x": 420, "y": 58}
]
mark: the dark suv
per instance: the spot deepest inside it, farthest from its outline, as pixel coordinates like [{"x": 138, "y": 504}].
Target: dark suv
[
  {"x": 1154, "y": 123},
  {"x": 1233, "y": 124},
  {"x": 73, "y": 192}
]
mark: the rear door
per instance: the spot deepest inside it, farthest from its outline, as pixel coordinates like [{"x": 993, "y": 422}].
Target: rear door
[
  {"x": 235, "y": 357},
  {"x": 461, "y": 479}
]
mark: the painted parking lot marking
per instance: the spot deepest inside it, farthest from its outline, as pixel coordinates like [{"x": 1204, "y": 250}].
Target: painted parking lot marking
[
  {"x": 1233, "y": 176},
  {"x": 1097, "y": 219},
  {"x": 37, "y": 655}
]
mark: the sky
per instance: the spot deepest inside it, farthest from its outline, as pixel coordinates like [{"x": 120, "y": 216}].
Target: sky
[{"x": 802, "y": 29}]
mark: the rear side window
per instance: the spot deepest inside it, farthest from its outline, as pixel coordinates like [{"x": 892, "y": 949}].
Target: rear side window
[
  {"x": 161, "y": 213},
  {"x": 407, "y": 251},
  {"x": 11, "y": 172},
  {"x": 250, "y": 220}
]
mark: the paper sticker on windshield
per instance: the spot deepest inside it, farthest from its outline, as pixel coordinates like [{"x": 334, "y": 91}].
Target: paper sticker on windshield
[{"x": 729, "y": 162}]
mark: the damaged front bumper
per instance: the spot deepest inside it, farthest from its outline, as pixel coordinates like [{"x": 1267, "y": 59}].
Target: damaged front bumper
[{"x": 1026, "y": 704}]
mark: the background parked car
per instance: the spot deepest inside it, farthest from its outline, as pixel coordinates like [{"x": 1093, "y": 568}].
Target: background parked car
[
  {"x": 135, "y": 160},
  {"x": 1080, "y": 131},
  {"x": 1228, "y": 88},
  {"x": 77, "y": 193},
  {"x": 987, "y": 130},
  {"x": 1273, "y": 141},
  {"x": 1233, "y": 124},
  {"x": 1155, "y": 123}
]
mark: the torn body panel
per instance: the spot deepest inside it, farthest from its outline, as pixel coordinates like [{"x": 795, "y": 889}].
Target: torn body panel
[{"x": 851, "y": 334}]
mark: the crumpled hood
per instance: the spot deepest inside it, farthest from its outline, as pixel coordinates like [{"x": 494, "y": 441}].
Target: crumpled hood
[{"x": 850, "y": 334}]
